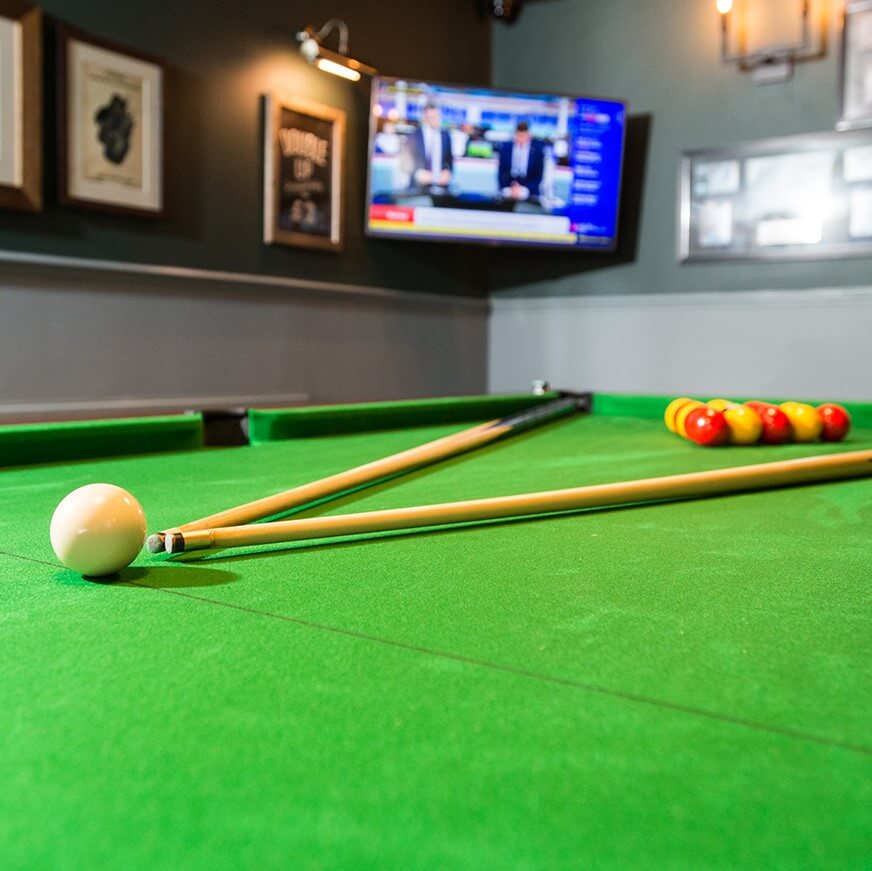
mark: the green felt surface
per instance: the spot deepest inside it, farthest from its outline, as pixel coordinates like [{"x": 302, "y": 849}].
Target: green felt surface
[
  {"x": 683, "y": 685},
  {"x": 26, "y": 443}
]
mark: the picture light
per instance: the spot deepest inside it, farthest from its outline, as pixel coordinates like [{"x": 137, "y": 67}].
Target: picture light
[
  {"x": 771, "y": 63},
  {"x": 338, "y": 63}
]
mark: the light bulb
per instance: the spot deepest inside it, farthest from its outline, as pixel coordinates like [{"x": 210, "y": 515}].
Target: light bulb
[{"x": 330, "y": 66}]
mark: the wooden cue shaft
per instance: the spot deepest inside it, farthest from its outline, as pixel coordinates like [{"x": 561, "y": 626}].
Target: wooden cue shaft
[
  {"x": 368, "y": 473},
  {"x": 685, "y": 486},
  {"x": 340, "y": 482}
]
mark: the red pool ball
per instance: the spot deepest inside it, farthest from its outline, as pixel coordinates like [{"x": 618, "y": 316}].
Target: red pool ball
[
  {"x": 707, "y": 426},
  {"x": 836, "y": 421},
  {"x": 776, "y": 424}
]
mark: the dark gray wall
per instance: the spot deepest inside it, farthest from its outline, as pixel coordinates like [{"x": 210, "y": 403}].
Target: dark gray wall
[
  {"x": 85, "y": 341},
  {"x": 222, "y": 57},
  {"x": 79, "y": 338},
  {"x": 663, "y": 57}
]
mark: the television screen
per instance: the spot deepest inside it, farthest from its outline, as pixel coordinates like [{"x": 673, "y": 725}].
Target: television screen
[{"x": 477, "y": 165}]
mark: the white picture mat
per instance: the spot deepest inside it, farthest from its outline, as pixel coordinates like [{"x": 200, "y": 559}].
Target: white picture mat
[
  {"x": 715, "y": 221},
  {"x": 11, "y": 104},
  {"x": 788, "y": 231},
  {"x": 716, "y": 178},
  {"x": 857, "y": 164},
  {"x": 860, "y": 214},
  {"x": 149, "y": 195},
  {"x": 789, "y": 186}
]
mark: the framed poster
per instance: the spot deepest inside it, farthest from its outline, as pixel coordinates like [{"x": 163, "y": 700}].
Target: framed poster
[
  {"x": 797, "y": 197},
  {"x": 20, "y": 106},
  {"x": 304, "y": 146},
  {"x": 856, "y": 110},
  {"x": 110, "y": 127}
]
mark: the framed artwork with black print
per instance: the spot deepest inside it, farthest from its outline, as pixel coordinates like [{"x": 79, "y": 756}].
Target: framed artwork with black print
[{"x": 110, "y": 127}]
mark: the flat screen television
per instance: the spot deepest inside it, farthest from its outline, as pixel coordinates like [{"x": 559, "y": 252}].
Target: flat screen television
[{"x": 464, "y": 164}]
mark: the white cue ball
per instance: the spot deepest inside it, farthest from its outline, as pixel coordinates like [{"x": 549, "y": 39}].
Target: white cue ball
[{"x": 97, "y": 530}]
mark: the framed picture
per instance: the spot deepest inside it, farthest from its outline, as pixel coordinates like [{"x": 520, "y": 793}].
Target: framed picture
[
  {"x": 856, "y": 110},
  {"x": 110, "y": 127},
  {"x": 304, "y": 146},
  {"x": 805, "y": 197},
  {"x": 20, "y": 106}
]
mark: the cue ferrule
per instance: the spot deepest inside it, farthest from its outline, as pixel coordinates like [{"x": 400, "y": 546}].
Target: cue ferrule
[
  {"x": 191, "y": 539},
  {"x": 174, "y": 542}
]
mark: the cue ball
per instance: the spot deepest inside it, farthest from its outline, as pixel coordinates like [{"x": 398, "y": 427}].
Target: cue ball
[{"x": 97, "y": 530}]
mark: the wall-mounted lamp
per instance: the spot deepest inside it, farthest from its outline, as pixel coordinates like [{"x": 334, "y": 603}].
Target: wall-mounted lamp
[
  {"x": 771, "y": 63},
  {"x": 336, "y": 62},
  {"x": 502, "y": 10}
]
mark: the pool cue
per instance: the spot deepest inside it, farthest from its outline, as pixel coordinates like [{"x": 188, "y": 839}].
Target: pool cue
[
  {"x": 693, "y": 485},
  {"x": 370, "y": 473}
]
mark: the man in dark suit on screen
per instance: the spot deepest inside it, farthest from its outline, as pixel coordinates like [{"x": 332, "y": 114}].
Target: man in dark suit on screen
[
  {"x": 522, "y": 164},
  {"x": 430, "y": 151}
]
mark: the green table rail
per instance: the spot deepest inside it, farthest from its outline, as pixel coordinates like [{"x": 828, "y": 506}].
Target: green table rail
[
  {"x": 266, "y": 425},
  {"x": 29, "y": 443}
]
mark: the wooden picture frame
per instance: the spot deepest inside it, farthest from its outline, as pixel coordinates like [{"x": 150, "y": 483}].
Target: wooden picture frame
[
  {"x": 111, "y": 130},
  {"x": 856, "y": 66},
  {"x": 304, "y": 158},
  {"x": 21, "y": 106}
]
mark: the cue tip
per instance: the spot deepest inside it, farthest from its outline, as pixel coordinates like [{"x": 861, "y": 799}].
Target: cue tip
[{"x": 155, "y": 543}]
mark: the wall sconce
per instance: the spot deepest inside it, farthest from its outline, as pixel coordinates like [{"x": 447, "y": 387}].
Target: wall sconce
[
  {"x": 772, "y": 63},
  {"x": 336, "y": 62}
]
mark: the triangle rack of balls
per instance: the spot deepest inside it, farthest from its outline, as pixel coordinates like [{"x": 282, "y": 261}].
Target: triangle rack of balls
[{"x": 724, "y": 422}]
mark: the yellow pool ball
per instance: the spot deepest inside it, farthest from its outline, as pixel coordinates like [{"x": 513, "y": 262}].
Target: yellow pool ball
[
  {"x": 672, "y": 409},
  {"x": 804, "y": 419},
  {"x": 681, "y": 416},
  {"x": 721, "y": 404},
  {"x": 744, "y": 425}
]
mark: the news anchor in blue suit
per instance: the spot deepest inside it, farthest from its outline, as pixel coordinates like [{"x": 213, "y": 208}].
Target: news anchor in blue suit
[
  {"x": 430, "y": 151},
  {"x": 522, "y": 165}
]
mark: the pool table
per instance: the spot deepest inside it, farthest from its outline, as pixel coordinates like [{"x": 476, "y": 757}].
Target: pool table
[{"x": 663, "y": 686}]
